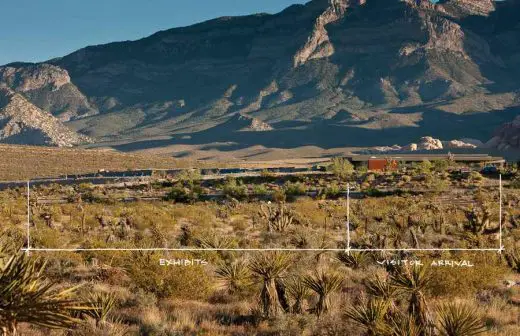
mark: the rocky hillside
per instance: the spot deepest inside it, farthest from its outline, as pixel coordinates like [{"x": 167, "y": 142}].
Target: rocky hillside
[
  {"x": 23, "y": 123},
  {"x": 327, "y": 73},
  {"x": 507, "y": 137}
]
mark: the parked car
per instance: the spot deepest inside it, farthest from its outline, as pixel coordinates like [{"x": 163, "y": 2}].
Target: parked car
[{"x": 489, "y": 170}]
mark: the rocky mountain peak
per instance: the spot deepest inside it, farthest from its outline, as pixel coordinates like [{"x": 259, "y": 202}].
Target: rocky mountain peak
[
  {"x": 34, "y": 77},
  {"x": 318, "y": 44}
]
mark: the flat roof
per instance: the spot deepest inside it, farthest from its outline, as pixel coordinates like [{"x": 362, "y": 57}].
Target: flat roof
[{"x": 421, "y": 157}]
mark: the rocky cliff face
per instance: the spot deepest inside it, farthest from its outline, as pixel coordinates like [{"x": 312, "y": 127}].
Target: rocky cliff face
[
  {"x": 386, "y": 64},
  {"x": 507, "y": 137},
  {"x": 23, "y": 123}
]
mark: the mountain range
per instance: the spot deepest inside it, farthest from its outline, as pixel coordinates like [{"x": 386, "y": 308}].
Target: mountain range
[{"x": 330, "y": 73}]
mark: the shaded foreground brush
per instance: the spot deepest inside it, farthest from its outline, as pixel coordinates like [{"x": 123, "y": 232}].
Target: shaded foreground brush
[{"x": 27, "y": 296}]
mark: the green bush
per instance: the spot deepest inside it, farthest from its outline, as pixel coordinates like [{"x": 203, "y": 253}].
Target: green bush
[
  {"x": 234, "y": 189},
  {"x": 295, "y": 189},
  {"x": 182, "y": 194},
  {"x": 440, "y": 166},
  {"x": 341, "y": 167},
  {"x": 260, "y": 189}
]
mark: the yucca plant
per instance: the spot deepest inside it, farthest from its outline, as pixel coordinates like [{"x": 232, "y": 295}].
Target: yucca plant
[
  {"x": 27, "y": 296},
  {"x": 268, "y": 268},
  {"x": 323, "y": 284},
  {"x": 353, "y": 260},
  {"x": 101, "y": 305},
  {"x": 381, "y": 288},
  {"x": 404, "y": 325},
  {"x": 370, "y": 315},
  {"x": 412, "y": 282},
  {"x": 233, "y": 276},
  {"x": 457, "y": 319},
  {"x": 298, "y": 291}
]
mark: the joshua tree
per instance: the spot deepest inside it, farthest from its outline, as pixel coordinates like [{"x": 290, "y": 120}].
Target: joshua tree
[
  {"x": 323, "y": 284},
  {"x": 456, "y": 319},
  {"x": 27, "y": 296},
  {"x": 278, "y": 216},
  {"x": 370, "y": 315},
  {"x": 412, "y": 281},
  {"x": 268, "y": 268}
]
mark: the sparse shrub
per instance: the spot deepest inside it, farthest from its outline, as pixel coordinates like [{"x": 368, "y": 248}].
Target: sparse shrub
[
  {"x": 513, "y": 259},
  {"x": 424, "y": 167},
  {"x": 170, "y": 281},
  {"x": 295, "y": 189},
  {"x": 475, "y": 177},
  {"x": 331, "y": 191},
  {"x": 440, "y": 166},
  {"x": 515, "y": 183},
  {"x": 279, "y": 196},
  {"x": 189, "y": 176},
  {"x": 260, "y": 190},
  {"x": 362, "y": 169},
  {"x": 181, "y": 194}
]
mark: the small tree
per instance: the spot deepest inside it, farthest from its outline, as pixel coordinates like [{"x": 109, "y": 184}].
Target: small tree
[
  {"x": 341, "y": 167},
  {"x": 412, "y": 282},
  {"x": 268, "y": 268}
]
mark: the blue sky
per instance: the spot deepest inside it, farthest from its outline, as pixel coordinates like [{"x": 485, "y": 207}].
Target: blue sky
[{"x": 37, "y": 30}]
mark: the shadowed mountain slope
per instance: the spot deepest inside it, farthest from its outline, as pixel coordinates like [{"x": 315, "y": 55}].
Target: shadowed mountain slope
[{"x": 374, "y": 67}]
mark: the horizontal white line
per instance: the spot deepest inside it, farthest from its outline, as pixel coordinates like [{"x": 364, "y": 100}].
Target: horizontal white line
[{"x": 263, "y": 249}]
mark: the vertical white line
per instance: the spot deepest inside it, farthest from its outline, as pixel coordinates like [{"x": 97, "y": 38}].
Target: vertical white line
[
  {"x": 348, "y": 218},
  {"x": 28, "y": 217},
  {"x": 500, "y": 212}
]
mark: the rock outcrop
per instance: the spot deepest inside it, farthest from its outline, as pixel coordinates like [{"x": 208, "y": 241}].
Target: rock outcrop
[
  {"x": 429, "y": 143},
  {"x": 425, "y": 143},
  {"x": 507, "y": 137},
  {"x": 24, "y": 123}
]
